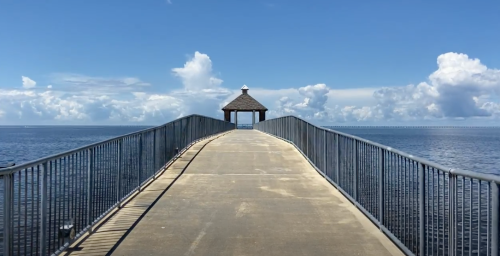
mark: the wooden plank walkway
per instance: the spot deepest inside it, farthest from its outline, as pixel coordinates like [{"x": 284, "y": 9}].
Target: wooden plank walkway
[{"x": 245, "y": 193}]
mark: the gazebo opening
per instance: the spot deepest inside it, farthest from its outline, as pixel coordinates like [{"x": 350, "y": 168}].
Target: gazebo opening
[{"x": 244, "y": 103}]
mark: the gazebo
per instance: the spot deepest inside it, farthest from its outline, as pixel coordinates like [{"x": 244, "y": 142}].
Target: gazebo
[{"x": 244, "y": 103}]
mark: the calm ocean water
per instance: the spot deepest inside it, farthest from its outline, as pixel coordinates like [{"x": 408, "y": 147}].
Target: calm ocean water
[
  {"x": 20, "y": 144},
  {"x": 465, "y": 148},
  {"x": 473, "y": 149}
]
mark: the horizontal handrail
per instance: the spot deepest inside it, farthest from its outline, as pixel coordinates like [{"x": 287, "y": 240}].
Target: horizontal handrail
[
  {"x": 423, "y": 207},
  {"x": 7, "y": 165},
  {"x": 69, "y": 152},
  {"x": 50, "y": 202},
  {"x": 476, "y": 175}
]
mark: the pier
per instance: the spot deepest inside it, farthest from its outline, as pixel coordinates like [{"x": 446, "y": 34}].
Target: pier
[{"x": 243, "y": 193}]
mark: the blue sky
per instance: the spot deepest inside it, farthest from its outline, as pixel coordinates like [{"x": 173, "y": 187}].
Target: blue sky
[{"x": 327, "y": 61}]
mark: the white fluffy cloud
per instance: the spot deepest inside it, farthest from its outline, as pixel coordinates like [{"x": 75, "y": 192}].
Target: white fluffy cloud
[
  {"x": 197, "y": 73},
  {"x": 27, "y": 82},
  {"x": 85, "y": 99},
  {"x": 460, "y": 88},
  {"x": 452, "y": 91}
]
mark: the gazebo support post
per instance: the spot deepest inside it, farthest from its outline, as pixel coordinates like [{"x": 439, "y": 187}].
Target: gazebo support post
[
  {"x": 236, "y": 118},
  {"x": 253, "y": 117}
]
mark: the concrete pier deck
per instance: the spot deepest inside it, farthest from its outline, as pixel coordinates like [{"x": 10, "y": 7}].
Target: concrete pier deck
[{"x": 244, "y": 193}]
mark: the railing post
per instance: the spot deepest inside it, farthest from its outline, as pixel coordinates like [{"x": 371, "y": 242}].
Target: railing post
[
  {"x": 8, "y": 201},
  {"x": 174, "y": 144},
  {"x": 355, "y": 164},
  {"x": 325, "y": 148},
  {"x": 452, "y": 207},
  {"x": 139, "y": 164},
  {"x": 43, "y": 210},
  {"x": 282, "y": 124},
  {"x": 337, "y": 159},
  {"x": 381, "y": 196},
  {"x": 494, "y": 218},
  {"x": 421, "y": 201},
  {"x": 192, "y": 122},
  {"x": 315, "y": 148},
  {"x": 119, "y": 173},
  {"x": 90, "y": 186},
  {"x": 195, "y": 128},
  {"x": 307, "y": 140},
  {"x": 154, "y": 155}
]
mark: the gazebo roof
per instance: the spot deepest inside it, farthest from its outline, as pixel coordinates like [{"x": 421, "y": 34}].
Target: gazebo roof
[{"x": 244, "y": 102}]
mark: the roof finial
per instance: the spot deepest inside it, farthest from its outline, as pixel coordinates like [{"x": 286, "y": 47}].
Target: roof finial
[{"x": 244, "y": 89}]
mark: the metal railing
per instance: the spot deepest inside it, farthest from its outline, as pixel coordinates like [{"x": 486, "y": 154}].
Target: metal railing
[
  {"x": 50, "y": 202},
  {"x": 423, "y": 207}
]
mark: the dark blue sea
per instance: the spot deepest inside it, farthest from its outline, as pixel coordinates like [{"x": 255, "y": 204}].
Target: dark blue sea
[
  {"x": 21, "y": 144},
  {"x": 474, "y": 149}
]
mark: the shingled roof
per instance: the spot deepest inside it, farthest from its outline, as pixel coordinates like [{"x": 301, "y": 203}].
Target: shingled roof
[{"x": 244, "y": 102}]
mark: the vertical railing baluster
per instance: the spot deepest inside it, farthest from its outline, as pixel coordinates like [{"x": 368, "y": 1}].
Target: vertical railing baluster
[
  {"x": 381, "y": 187},
  {"x": 90, "y": 186},
  {"x": 169, "y": 146},
  {"x": 325, "y": 148},
  {"x": 355, "y": 167},
  {"x": 421, "y": 201},
  {"x": 494, "y": 218},
  {"x": 450, "y": 217},
  {"x": 43, "y": 210},
  {"x": 8, "y": 203},
  {"x": 337, "y": 159},
  {"x": 119, "y": 173},
  {"x": 307, "y": 140},
  {"x": 488, "y": 231},
  {"x": 154, "y": 155},
  {"x": 139, "y": 171}
]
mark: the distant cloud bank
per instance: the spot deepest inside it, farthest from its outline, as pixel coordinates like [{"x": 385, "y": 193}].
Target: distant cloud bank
[{"x": 461, "y": 88}]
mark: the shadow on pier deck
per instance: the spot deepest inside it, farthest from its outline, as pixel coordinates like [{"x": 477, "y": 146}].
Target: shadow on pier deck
[{"x": 244, "y": 193}]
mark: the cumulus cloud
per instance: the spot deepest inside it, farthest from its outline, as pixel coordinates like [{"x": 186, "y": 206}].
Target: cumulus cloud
[
  {"x": 451, "y": 91},
  {"x": 202, "y": 92},
  {"x": 197, "y": 73},
  {"x": 87, "y": 99},
  {"x": 315, "y": 96},
  {"x": 28, "y": 83},
  {"x": 460, "y": 88}
]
